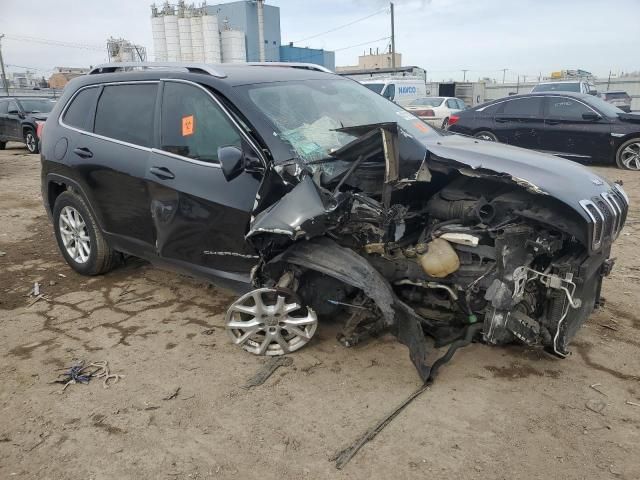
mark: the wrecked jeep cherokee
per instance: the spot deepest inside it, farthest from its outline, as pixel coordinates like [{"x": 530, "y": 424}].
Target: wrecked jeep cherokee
[{"x": 317, "y": 198}]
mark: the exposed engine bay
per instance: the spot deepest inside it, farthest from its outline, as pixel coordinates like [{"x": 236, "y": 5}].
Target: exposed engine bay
[{"x": 393, "y": 236}]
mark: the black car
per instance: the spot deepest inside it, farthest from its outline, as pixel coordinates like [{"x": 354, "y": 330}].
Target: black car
[
  {"x": 315, "y": 197},
  {"x": 20, "y": 118},
  {"x": 577, "y": 126}
]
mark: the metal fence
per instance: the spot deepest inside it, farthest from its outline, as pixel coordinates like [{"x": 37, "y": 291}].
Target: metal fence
[{"x": 29, "y": 92}]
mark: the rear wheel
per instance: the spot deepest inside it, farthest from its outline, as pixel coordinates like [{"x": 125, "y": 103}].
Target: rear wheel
[
  {"x": 79, "y": 238},
  {"x": 486, "y": 135},
  {"x": 628, "y": 155},
  {"x": 31, "y": 140}
]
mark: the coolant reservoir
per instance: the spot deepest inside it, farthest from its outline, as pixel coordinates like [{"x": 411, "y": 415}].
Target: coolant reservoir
[{"x": 440, "y": 259}]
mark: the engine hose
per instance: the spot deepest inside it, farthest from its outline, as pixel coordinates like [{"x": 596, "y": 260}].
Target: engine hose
[{"x": 470, "y": 331}]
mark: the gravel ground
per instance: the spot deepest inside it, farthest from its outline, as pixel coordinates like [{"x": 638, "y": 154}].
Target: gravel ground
[{"x": 503, "y": 413}]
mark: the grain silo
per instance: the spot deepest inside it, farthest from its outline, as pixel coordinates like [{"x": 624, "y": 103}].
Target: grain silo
[
  {"x": 184, "y": 30},
  {"x": 234, "y": 49},
  {"x": 211, "y": 38},
  {"x": 172, "y": 34},
  {"x": 159, "y": 40},
  {"x": 197, "y": 41}
]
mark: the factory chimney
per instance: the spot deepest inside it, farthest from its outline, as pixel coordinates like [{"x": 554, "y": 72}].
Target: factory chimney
[{"x": 261, "y": 29}]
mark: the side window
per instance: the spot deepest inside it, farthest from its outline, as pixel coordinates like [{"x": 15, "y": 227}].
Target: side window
[
  {"x": 491, "y": 109},
  {"x": 13, "y": 107},
  {"x": 193, "y": 125},
  {"x": 451, "y": 103},
  {"x": 567, "y": 108},
  {"x": 4, "y": 107},
  {"x": 390, "y": 91},
  {"x": 126, "y": 112},
  {"x": 523, "y": 106},
  {"x": 461, "y": 105},
  {"x": 80, "y": 112}
]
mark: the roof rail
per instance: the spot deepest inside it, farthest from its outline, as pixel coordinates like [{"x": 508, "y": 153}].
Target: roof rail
[
  {"x": 189, "y": 67},
  {"x": 306, "y": 66}
]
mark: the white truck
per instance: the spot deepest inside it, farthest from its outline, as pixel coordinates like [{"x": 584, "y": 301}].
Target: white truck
[{"x": 401, "y": 90}]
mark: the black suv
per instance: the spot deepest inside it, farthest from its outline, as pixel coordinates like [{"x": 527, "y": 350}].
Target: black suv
[
  {"x": 315, "y": 197},
  {"x": 20, "y": 118}
]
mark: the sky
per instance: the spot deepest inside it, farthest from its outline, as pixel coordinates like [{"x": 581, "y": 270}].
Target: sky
[{"x": 527, "y": 37}]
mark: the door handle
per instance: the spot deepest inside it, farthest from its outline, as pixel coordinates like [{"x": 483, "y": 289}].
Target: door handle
[
  {"x": 501, "y": 120},
  {"x": 552, "y": 122},
  {"x": 162, "y": 172},
  {"x": 83, "y": 152}
]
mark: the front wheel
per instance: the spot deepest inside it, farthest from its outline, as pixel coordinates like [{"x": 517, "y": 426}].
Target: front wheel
[
  {"x": 628, "y": 155},
  {"x": 486, "y": 135},
  {"x": 79, "y": 238},
  {"x": 31, "y": 140}
]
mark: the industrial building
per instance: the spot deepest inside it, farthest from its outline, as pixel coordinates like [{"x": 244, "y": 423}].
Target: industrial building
[{"x": 241, "y": 31}]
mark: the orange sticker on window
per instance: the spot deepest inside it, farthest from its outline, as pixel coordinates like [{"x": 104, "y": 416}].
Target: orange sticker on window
[
  {"x": 188, "y": 125},
  {"x": 421, "y": 126}
]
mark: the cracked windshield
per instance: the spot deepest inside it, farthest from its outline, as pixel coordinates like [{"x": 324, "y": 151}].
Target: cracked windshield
[{"x": 308, "y": 114}]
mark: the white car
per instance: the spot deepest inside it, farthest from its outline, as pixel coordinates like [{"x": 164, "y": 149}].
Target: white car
[{"x": 436, "y": 110}]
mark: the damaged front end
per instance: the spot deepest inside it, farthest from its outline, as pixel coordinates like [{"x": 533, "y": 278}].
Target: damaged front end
[{"x": 436, "y": 240}]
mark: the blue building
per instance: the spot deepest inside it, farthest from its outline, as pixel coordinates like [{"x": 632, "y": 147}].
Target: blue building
[
  {"x": 326, "y": 58},
  {"x": 243, "y": 16}
]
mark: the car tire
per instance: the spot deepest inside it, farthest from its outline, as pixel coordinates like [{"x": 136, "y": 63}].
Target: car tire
[
  {"x": 628, "y": 155},
  {"x": 3, "y": 145},
  {"x": 445, "y": 123},
  {"x": 31, "y": 140},
  {"x": 486, "y": 136},
  {"x": 79, "y": 237}
]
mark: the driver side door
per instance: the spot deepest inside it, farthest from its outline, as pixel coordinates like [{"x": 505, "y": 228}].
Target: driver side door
[
  {"x": 200, "y": 217},
  {"x": 12, "y": 121}
]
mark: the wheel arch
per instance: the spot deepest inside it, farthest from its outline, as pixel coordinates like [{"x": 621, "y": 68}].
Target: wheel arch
[{"x": 56, "y": 185}]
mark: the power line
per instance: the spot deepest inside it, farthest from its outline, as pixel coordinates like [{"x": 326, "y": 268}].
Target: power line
[
  {"x": 342, "y": 26},
  {"x": 26, "y": 38}
]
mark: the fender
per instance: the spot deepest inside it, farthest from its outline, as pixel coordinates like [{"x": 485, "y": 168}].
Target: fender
[{"x": 57, "y": 178}]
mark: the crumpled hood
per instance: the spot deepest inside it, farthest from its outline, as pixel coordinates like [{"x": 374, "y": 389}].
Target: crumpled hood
[{"x": 540, "y": 173}]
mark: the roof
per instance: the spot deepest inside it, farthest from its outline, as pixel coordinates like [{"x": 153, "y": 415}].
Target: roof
[
  {"x": 577, "y": 80},
  {"x": 580, "y": 96}
]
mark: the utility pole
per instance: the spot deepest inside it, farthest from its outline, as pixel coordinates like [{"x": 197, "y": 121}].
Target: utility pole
[
  {"x": 393, "y": 39},
  {"x": 504, "y": 72},
  {"x": 609, "y": 81},
  {"x": 464, "y": 75},
  {"x": 4, "y": 75}
]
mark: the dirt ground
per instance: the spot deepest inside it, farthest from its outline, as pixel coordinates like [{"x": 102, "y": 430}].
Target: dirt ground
[{"x": 493, "y": 413}]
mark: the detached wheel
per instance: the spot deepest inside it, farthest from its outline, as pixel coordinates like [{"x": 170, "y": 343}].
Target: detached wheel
[
  {"x": 486, "y": 135},
  {"x": 79, "y": 238},
  {"x": 445, "y": 123},
  {"x": 628, "y": 155},
  {"x": 31, "y": 140},
  {"x": 270, "y": 321}
]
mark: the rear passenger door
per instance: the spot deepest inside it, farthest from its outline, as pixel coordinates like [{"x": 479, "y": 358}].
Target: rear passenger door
[
  {"x": 110, "y": 156},
  {"x": 200, "y": 218},
  {"x": 12, "y": 121},
  {"x": 519, "y": 122}
]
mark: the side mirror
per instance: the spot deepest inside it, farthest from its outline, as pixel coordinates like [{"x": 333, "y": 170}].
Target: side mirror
[
  {"x": 593, "y": 92},
  {"x": 591, "y": 116},
  {"x": 14, "y": 112},
  {"x": 231, "y": 160}
]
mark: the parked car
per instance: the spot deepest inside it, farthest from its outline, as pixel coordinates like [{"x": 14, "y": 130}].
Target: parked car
[
  {"x": 20, "y": 118},
  {"x": 317, "y": 198},
  {"x": 436, "y": 110},
  {"x": 577, "y": 86},
  {"x": 618, "y": 98},
  {"x": 572, "y": 125},
  {"x": 401, "y": 90}
]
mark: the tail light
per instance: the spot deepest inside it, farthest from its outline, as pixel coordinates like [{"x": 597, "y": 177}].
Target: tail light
[
  {"x": 424, "y": 113},
  {"x": 39, "y": 129},
  {"x": 453, "y": 119}
]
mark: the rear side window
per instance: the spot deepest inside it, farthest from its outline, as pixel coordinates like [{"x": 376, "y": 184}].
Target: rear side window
[
  {"x": 523, "y": 106},
  {"x": 126, "y": 112},
  {"x": 80, "y": 112},
  {"x": 4, "y": 107},
  {"x": 193, "y": 125}
]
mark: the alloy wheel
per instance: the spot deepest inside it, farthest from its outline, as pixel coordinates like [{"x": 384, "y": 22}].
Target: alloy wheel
[
  {"x": 630, "y": 156},
  {"x": 269, "y": 321},
  {"x": 30, "y": 140},
  {"x": 74, "y": 234}
]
